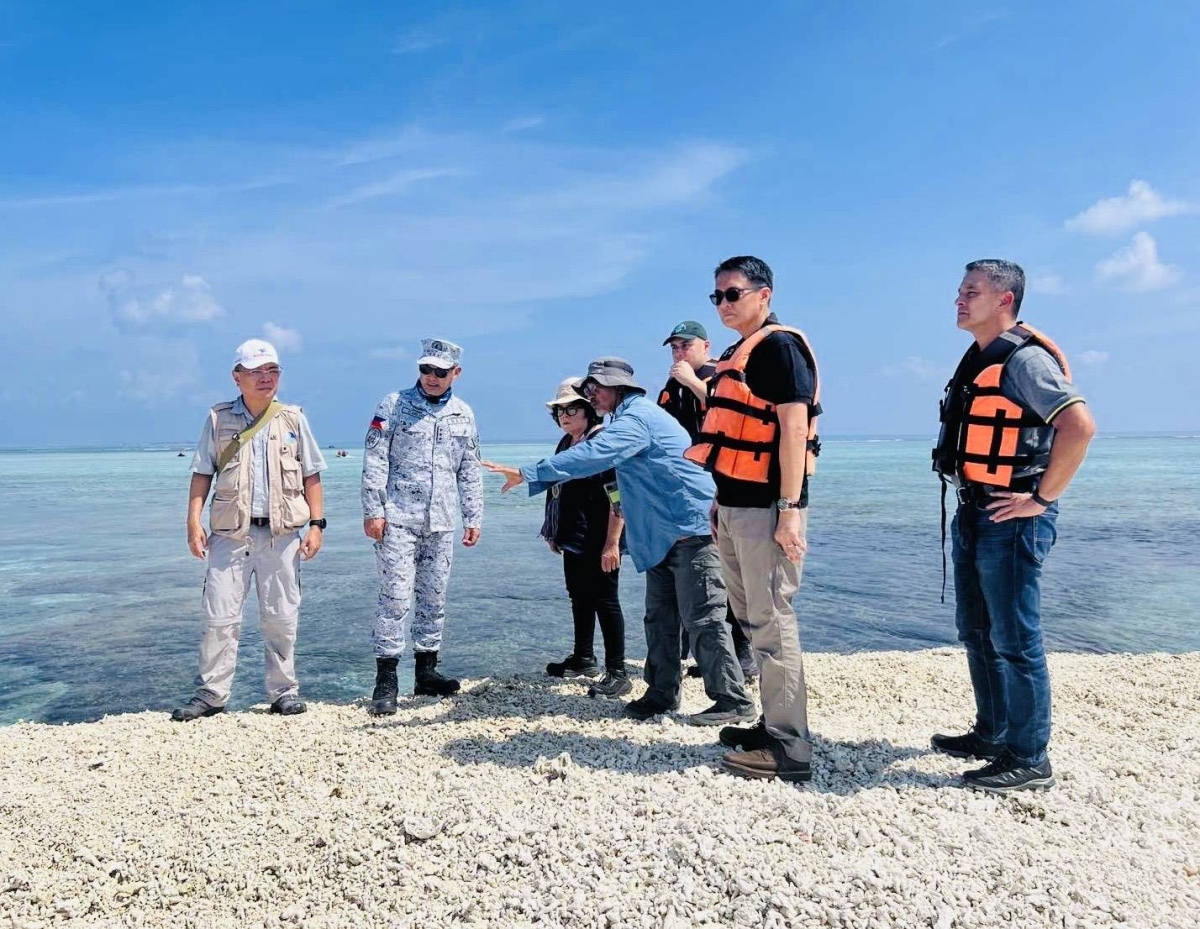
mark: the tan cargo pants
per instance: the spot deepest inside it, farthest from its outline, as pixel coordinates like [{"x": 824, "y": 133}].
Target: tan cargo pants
[
  {"x": 273, "y": 564},
  {"x": 760, "y": 583}
]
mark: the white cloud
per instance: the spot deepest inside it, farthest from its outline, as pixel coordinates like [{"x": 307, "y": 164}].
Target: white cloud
[
  {"x": 522, "y": 123},
  {"x": 417, "y": 40},
  {"x": 160, "y": 370},
  {"x": 670, "y": 179},
  {"x": 1091, "y": 358},
  {"x": 192, "y": 301},
  {"x": 969, "y": 28},
  {"x": 398, "y": 183},
  {"x": 284, "y": 339},
  {"x": 1137, "y": 267},
  {"x": 1047, "y": 284},
  {"x": 921, "y": 369},
  {"x": 1141, "y": 204},
  {"x": 395, "y": 353}
]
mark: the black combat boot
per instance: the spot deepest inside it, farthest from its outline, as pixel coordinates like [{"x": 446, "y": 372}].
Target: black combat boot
[
  {"x": 429, "y": 682},
  {"x": 383, "y": 699}
]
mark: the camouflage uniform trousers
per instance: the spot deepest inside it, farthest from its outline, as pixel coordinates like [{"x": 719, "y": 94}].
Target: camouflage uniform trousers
[{"x": 411, "y": 563}]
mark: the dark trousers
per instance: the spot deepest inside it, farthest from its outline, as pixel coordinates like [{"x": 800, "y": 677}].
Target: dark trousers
[
  {"x": 741, "y": 645},
  {"x": 593, "y": 594},
  {"x": 686, "y": 589}
]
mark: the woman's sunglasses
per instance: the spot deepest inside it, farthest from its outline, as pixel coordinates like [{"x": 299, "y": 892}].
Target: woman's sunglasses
[
  {"x": 732, "y": 294},
  {"x": 430, "y": 369},
  {"x": 569, "y": 409}
]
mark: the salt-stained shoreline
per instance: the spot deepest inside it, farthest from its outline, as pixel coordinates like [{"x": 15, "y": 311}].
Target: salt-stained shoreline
[{"x": 467, "y": 812}]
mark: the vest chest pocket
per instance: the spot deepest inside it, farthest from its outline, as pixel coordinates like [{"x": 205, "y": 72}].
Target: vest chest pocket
[
  {"x": 295, "y": 507},
  {"x": 454, "y": 427},
  {"x": 289, "y": 467}
]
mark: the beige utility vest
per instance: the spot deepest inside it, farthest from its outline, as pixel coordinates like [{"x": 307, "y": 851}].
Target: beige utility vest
[{"x": 229, "y": 513}]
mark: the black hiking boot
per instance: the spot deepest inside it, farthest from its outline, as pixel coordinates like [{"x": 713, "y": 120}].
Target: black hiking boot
[
  {"x": 195, "y": 709},
  {"x": 383, "y": 698},
  {"x": 573, "y": 666},
  {"x": 429, "y": 682},
  {"x": 750, "y": 738}
]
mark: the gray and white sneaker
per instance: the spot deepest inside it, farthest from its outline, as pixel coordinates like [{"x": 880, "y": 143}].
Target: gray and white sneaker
[
  {"x": 611, "y": 685},
  {"x": 717, "y": 715},
  {"x": 1005, "y": 774}
]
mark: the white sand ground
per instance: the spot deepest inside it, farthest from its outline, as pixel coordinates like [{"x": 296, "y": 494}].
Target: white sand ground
[{"x": 468, "y": 812}]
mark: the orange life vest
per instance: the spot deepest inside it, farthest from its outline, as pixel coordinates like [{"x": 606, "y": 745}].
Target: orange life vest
[
  {"x": 981, "y": 429},
  {"x": 740, "y": 435}
]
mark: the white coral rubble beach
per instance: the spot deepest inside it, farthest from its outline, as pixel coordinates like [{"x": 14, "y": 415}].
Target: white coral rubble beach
[{"x": 524, "y": 803}]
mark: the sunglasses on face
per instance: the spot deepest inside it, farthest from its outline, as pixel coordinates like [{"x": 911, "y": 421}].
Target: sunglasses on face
[
  {"x": 430, "y": 369},
  {"x": 732, "y": 294},
  {"x": 569, "y": 409}
]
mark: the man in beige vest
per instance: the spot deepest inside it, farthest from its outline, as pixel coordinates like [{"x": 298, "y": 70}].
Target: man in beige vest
[{"x": 268, "y": 488}]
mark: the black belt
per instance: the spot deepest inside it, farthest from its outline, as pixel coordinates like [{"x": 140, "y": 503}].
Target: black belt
[
  {"x": 260, "y": 520},
  {"x": 981, "y": 494}
]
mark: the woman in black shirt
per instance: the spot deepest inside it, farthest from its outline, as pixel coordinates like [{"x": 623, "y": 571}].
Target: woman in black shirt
[{"x": 583, "y": 527}]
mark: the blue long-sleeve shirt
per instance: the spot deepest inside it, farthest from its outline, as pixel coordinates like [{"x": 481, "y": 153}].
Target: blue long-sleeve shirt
[{"x": 664, "y": 497}]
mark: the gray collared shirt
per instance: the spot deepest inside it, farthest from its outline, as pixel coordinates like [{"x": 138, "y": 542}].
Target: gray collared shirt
[{"x": 307, "y": 451}]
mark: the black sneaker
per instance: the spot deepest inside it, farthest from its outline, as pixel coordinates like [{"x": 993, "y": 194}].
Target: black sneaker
[
  {"x": 573, "y": 666},
  {"x": 195, "y": 709},
  {"x": 1005, "y": 774},
  {"x": 644, "y": 708},
  {"x": 289, "y": 705},
  {"x": 613, "y": 684},
  {"x": 748, "y": 738},
  {"x": 969, "y": 745},
  {"x": 693, "y": 670}
]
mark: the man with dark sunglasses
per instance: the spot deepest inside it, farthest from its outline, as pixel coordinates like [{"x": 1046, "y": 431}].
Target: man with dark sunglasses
[
  {"x": 759, "y": 443},
  {"x": 420, "y": 466}
]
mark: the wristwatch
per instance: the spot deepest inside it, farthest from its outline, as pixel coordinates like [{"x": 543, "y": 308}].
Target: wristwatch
[
  {"x": 783, "y": 503},
  {"x": 319, "y": 523}
]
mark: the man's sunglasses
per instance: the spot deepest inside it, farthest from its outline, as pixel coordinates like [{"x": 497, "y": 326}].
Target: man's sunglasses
[
  {"x": 430, "y": 369},
  {"x": 732, "y": 294},
  {"x": 568, "y": 409}
]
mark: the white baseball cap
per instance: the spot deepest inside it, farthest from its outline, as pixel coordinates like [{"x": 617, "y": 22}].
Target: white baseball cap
[{"x": 254, "y": 353}]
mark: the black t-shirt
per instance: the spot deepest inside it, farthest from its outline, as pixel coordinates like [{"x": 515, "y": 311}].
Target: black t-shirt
[
  {"x": 778, "y": 372},
  {"x": 684, "y": 405},
  {"x": 577, "y": 511}
]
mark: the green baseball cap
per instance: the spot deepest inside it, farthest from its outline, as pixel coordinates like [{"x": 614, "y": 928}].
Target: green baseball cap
[{"x": 688, "y": 329}]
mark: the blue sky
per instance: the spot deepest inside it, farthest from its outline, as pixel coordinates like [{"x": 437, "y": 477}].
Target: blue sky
[{"x": 545, "y": 183}]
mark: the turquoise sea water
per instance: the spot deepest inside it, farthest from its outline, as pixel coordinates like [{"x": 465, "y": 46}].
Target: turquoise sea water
[{"x": 100, "y": 598}]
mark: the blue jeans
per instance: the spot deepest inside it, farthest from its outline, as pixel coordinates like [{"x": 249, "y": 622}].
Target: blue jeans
[{"x": 997, "y": 586}]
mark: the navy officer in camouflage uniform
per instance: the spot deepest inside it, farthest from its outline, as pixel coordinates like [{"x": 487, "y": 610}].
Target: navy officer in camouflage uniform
[{"x": 420, "y": 464}]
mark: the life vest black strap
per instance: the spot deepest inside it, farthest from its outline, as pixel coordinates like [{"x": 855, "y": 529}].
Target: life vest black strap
[
  {"x": 728, "y": 403},
  {"x": 1004, "y": 422},
  {"x": 719, "y": 439},
  {"x": 998, "y": 461}
]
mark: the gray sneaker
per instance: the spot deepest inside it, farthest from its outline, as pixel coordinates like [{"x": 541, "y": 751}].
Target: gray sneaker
[
  {"x": 195, "y": 709},
  {"x": 613, "y": 684},
  {"x": 717, "y": 715}
]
